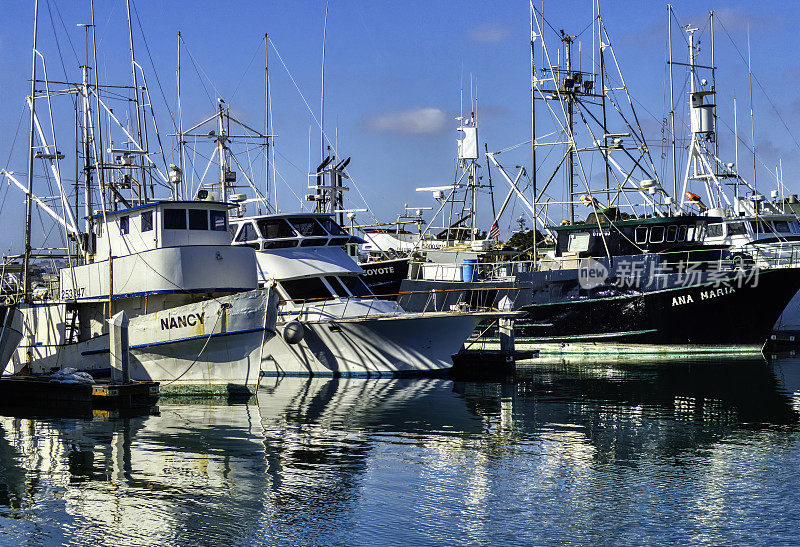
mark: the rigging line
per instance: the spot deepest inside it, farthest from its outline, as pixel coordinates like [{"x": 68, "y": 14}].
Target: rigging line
[
  {"x": 797, "y": 144},
  {"x": 253, "y": 58},
  {"x": 199, "y": 75},
  {"x": 314, "y": 117},
  {"x": 155, "y": 72},
  {"x": 66, "y": 33},
  {"x": 58, "y": 45}
]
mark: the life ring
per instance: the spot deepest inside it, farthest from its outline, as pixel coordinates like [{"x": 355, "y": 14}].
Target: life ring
[{"x": 588, "y": 200}]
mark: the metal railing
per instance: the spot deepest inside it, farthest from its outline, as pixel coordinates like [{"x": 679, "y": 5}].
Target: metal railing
[{"x": 457, "y": 300}]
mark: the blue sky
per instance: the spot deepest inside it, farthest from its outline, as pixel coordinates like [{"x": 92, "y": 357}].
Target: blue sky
[{"x": 394, "y": 72}]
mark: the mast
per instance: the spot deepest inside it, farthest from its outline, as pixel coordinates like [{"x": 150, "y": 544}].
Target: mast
[
  {"x": 266, "y": 116},
  {"x": 672, "y": 108},
  {"x": 180, "y": 191},
  {"x": 142, "y": 184},
  {"x": 99, "y": 137},
  {"x": 567, "y": 39},
  {"x": 533, "y": 136},
  {"x": 322, "y": 91},
  {"x": 752, "y": 119},
  {"x": 26, "y": 277},
  {"x": 603, "y": 97}
]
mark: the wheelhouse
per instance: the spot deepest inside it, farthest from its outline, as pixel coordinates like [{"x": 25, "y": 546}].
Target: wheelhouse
[{"x": 606, "y": 234}]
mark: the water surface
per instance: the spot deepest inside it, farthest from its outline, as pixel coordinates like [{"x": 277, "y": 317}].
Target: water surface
[{"x": 581, "y": 451}]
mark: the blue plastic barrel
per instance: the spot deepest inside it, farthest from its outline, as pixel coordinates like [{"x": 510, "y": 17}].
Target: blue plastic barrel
[{"x": 469, "y": 269}]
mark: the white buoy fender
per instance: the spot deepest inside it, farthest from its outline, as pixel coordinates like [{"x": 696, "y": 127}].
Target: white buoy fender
[{"x": 293, "y": 332}]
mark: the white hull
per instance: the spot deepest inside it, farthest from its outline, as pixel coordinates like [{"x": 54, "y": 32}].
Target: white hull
[
  {"x": 177, "y": 348},
  {"x": 10, "y": 334},
  {"x": 372, "y": 346}
]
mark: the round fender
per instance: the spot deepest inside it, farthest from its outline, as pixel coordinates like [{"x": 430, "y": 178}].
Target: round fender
[{"x": 293, "y": 332}]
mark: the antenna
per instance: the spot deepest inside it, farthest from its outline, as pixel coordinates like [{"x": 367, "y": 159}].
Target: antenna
[{"x": 322, "y": 89}]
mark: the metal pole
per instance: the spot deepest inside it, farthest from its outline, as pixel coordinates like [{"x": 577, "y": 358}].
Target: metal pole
[
  {"x": 570, "y": 127},
  {"x": 603, "y": 100},
  {"x": 142, "y": 184},
  {"x": 672, "y": 109},
  {"x": 533, "y": 137},
  {"x": 322, "y": 91},
  {"x": 26, "y": 277},
  {"x": 266, "y": 116},
  {"x": 99, "y": 148},
  {"x": 714, "y": 88},
  {"x": 181, "y": 192},
  {"x": 752, "y": 118}
]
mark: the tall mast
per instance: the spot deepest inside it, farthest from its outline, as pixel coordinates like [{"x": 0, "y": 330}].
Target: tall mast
[
  {"x": 322, "y": 91},
  {"x": 26, "y": 277},
  {"x": 714, "y": 83},
  {"x": 266, "y": 115},
  {"x": 99, "y": 137},
  {"x": 752, "y": 118},
  {"x": 223, "y": 167},
  {"x": 533, "y": 134},
  {"x": 672, "y": 108},
  {"x": 570, "y": 127},
  {"x": 137, "y": 105},
  {"x": 180, "y": 191},
  {"x": 601, "y": 47}
]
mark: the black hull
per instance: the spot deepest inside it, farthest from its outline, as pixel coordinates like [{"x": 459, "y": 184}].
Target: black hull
[
  {"x": 384, "y": 277},
  {"x": 737, "y": 313}
]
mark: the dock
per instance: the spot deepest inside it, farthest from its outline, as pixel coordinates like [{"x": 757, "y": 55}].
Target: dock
[{"x": 46, "y": 391}]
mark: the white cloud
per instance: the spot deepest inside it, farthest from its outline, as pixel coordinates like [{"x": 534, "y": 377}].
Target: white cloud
[
  {"x": 415, "y": 121},
  {"x": 488, "y": 33}
]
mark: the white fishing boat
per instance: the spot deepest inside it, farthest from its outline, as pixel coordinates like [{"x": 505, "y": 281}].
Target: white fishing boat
[
  {"x": 197, "y": 317},
  {"x": 330, "y": 322}
]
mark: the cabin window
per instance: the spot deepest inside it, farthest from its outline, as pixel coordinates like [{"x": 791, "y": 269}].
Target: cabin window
[
  {"x": 657, "y": 234},
  {"x": 331, "y": 226},
  {"x": 272, "y": 228},
  {"x": 175, "y": 219},
  {"x": 219, "y": 221},
  {"x": 339, "y": 241},
  {"x": 308, "y": 227},
  {"x": 714, "y": 230},
  {"x": 147, "y": 221},
  {"x": 672, "y": 233},
  {"x": 578, "y": 242},
  {"x": 279, "y": 244},
  {"x": 124, "y": 225},
  {"x": 247, "y": 233},
  {"x": 310, "y": 288},
  {"x": 781, "y": 226},
  {"x": 737, "y": 229},
  {"x": 336, "y": 286},
  {"x": 355, "y": 285},
  {"x": 198, "y": 219},
  {"x": 682, "y": 233},
  {"x": 313, "y": 242},
  {"x": 690, "y": 233},
  {"x": 641, "y": 234}
]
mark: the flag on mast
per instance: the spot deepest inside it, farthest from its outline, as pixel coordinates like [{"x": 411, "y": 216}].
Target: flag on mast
[{"x": 494, "y": 231}]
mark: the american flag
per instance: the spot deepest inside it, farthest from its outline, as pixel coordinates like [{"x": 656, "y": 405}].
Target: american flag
[{"x": 494, "y": 231}]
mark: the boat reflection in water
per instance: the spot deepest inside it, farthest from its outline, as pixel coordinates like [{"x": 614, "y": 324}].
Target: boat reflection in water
[{"x": 586, "y": 451}]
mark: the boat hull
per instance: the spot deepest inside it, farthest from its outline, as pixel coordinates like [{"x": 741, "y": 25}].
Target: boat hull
[
  {"x": 209, "y": 346},
  {"x": 732, "y": 314},
  {"x": 396, "y": 345}
]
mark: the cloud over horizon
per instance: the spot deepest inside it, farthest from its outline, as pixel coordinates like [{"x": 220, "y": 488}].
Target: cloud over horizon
[
  {"x": 414, "y": 121},
  {"x": 488, "y": 33}
]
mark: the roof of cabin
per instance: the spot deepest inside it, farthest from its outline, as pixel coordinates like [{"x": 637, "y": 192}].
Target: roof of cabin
[{"x": 165, "y": 202}]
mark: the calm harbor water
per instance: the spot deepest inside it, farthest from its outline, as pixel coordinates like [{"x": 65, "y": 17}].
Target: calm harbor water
[{"x": 623, "y": 452}]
